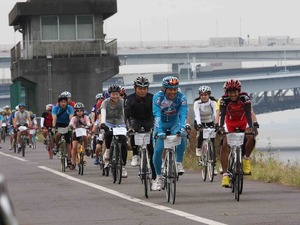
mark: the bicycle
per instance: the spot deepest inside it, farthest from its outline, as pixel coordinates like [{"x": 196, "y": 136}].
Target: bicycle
[
  {"x": 105, "y": 170},
  {"x": 80, "y": 132},
  {"x": 3, "y": 132},
  {"x": 142, "y": 139},
  {"x": 116, "y": 153},
  {"x": 235, "y": 141},
  {"x": 170, "y": 174},
  {"x": 63, "y": 147},
  {"x": 33, "y": 137},
  {"x": 207, "y": 160},
  {"x": 23, "y": 138},
  {"x": 50, "y": 142}
]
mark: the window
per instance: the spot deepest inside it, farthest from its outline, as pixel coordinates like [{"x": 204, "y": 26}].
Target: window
[
  {"x": 49, "y": 28},
  {"x": 67, "y": 27},
  {"x": 85, "y": 27},
  {"x": 67, "y": 30}
]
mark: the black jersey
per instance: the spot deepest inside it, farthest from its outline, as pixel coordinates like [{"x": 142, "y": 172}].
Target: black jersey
[{"x": 137, "y": 108}]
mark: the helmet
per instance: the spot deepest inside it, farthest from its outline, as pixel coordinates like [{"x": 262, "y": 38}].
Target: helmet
[
  {"x": 49, "y": 107},
  {"x": 22, "y": 105},
  {"x": 17, "y": 108},
  {"x": 141, "y": 82},
  {"x": 98, "y": 96},
  {"x": 204, "y": 89},
  {"x": 67, "y": 94},
  {"x": 6, "y": 107},
  {"x": 170, "y": 82},
  {"x": 113, "y": 88},
  {"x": 233, "y": 85},
  {"x": 188, "y": 127},
  {"x": 62, "y": 97},
  {"x": 79, "y": 105},
  {"x": 32, "y": 116},
  {"x": 106, "y": 94}
]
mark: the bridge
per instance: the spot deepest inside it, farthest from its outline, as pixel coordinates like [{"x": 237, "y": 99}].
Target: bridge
[{"x": 271, "y": 89}]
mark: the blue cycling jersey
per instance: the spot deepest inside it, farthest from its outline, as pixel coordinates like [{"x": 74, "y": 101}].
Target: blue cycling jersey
[
  {"x": 63, "y": 115},
  {"x": 169, "y": 111}
]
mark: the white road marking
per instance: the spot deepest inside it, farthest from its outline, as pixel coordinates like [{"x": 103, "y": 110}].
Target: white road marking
[
  {"x": 136, "y": 200},
  {"x": 15, "y": 157}
]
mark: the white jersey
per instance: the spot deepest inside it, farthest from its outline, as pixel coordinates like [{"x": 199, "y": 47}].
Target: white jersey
[{"x": 205, "y": 111}]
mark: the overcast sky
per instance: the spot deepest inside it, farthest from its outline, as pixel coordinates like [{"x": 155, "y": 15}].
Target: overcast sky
[{"x": 162, "y": 20}]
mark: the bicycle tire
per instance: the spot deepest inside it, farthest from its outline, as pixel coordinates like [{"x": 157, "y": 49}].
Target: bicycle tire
[
  {"x": 3, "y": 135},
  {"x": 204, "y": 150},
  {"x": 23, "y": 146},
  {"x": 166, "y": 168},
  {"x": 237, "y": 175},
  {"x": 63, "y": 156},
  {"x": 119, "y": 163},
  {"x": 172, "y": 178},
  {"x": 14, "y": 146},
  {"x": 211, "y": 161},
  {"x": 81, "y": 163},
  {"x": 144, "y": 171},
  {"x": 114, "y": 162}
]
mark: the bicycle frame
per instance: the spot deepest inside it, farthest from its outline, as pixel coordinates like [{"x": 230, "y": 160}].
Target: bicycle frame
[{"x": 23, "y": 138}]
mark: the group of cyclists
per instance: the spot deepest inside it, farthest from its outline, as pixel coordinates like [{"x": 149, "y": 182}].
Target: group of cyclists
[{"x": 166, "y": 110}]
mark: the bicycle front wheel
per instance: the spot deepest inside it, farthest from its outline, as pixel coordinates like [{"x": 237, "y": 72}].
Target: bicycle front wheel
[
  {"x": 238, "y": 175},
  {"x": 63, "y": 157},
  {"x": 210, "y": 161},
  {"x": 203, "y": 161},
  {"x": 171, "y": 178},
  {"x": 144, "y": 171},
  {"x": 119, "y": 164}
]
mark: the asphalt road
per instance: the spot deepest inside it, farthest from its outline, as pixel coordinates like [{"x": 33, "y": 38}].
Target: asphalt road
[{"x": 42, "y": 195}]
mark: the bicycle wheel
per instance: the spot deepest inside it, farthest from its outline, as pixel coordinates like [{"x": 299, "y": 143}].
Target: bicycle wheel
[
  {"x": 172, "y": 178},
  {"x": 3, "y": 135},
  {"x": 203, "y": 161},
  {"x": 119, "y": 163},
  {"x": 33, "y": 139},
  {"x": 63, "y": 157},
  {"x": 237, "y": 175},
  {"x": 81, "y": 163},
  {"x": 144, "y": 171},
  {"x": 23, "y": 147},
  {"x": 50, "y": 147},
  {"x": 114, "y": 158},
  {"x": 210, "y": 161}
]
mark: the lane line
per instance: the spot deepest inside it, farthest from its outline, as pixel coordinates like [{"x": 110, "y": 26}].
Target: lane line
[
  {"x": 135, "y": 200},
  {"x": 15, "y": 157}
]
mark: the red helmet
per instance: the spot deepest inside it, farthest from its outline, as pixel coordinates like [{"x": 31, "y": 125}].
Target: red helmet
[{"x": 232, "y": 85}]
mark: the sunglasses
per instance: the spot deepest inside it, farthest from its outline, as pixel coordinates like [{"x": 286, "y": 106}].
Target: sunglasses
[{"x": 79, "y": 110}]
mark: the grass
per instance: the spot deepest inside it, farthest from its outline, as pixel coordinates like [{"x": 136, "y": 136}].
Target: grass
[{"x": 264, "y": 166}]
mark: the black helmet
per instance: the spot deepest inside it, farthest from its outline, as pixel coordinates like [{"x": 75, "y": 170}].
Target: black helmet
[
  {"x": 114, "y": 88},
  {"x": 141, "y": 82},
  {"x": 62, "y": 97}
]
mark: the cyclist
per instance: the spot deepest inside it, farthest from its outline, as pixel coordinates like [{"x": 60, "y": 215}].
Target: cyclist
[
  {"x": 99, "y": 99},
  {"x": 7, "y": 110},
  {"x": 138, "y": 113},
  {"x": 10, "y": 124},
  {"x": 112, "y": 114},
  {"x": 33, "y": 127},
  {"x": 22, "y": 118},
  {"x": 68, "y": 94},
  {"x": 61, "y": 116},
  {"x": 46, "y": 121},
  {"x": 79, "y": 120},
  {"x": 235, "y": 112},
  {"x": 205, "y": 110},
  {"x": 123, "y": 92},
  {"x": 170, "y": 112}
]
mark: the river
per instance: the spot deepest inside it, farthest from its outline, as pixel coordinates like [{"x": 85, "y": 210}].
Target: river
[{"x": 279, "y": 135}]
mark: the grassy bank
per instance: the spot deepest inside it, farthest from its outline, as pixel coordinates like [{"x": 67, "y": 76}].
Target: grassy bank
[{"x": 264, "y": 166}]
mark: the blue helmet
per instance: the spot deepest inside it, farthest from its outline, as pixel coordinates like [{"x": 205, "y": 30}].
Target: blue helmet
[
  {"x": 22, "y": 105},
  {"x": 170, "y": 82},
  {"x": 106, "y": 94}
]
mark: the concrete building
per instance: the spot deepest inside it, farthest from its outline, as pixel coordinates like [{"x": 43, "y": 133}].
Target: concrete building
[{"x": 63, "y": 49}]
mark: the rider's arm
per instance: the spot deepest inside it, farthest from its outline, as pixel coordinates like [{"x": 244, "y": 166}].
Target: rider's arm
[
  {"x": 222, "y": 112},
  {"x": 103, "y": 113},
  {"x": 70, "y": 111},
  {"x": 248, "y": 114},
  {"x": 197, "y": 112},
  {"x": 127, "y": 112},
  {"x": 183, "y": 111},
  {"x": 157, "y": 113}
]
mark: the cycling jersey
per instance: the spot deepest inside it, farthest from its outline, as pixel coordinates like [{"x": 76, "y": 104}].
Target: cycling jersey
[
  {"x": 47, "y": 122},
  {"x": 21, "y": 117},
  {"x": 138, "y": 108},
  {"x": 63, "y": 115},
  {"x": 114, "y": 114},
  {"x": 204, "y": 111},
  {"x": 236, "y": 114}
]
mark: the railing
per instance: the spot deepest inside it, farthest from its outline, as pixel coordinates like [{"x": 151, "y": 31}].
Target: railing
[{"x": 57, "y": 49}]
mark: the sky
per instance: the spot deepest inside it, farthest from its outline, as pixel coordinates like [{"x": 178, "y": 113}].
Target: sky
[{"x": 174, "y": 20}]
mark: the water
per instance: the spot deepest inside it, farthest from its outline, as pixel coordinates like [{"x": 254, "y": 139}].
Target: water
[{"x": 279, "y": 132}]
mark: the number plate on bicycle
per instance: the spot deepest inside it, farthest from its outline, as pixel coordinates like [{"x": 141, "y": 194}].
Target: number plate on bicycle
[
  {"x": 172, "y": 141},
  {"x": 235, "y": 138},
  {"x": 142, "y": 138},
  {"x": 62, "y": 130},
  {"x": 119, "y": 131},
  {"x": 209, "y": 133},
  {"x": 32, "y": 131},
  {"x": 80, "y": 132}
]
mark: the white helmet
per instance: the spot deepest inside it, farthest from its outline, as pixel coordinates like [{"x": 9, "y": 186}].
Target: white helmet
[
  {"x": 67, "y": 94},
  {"x": 204, "y": 89}
]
